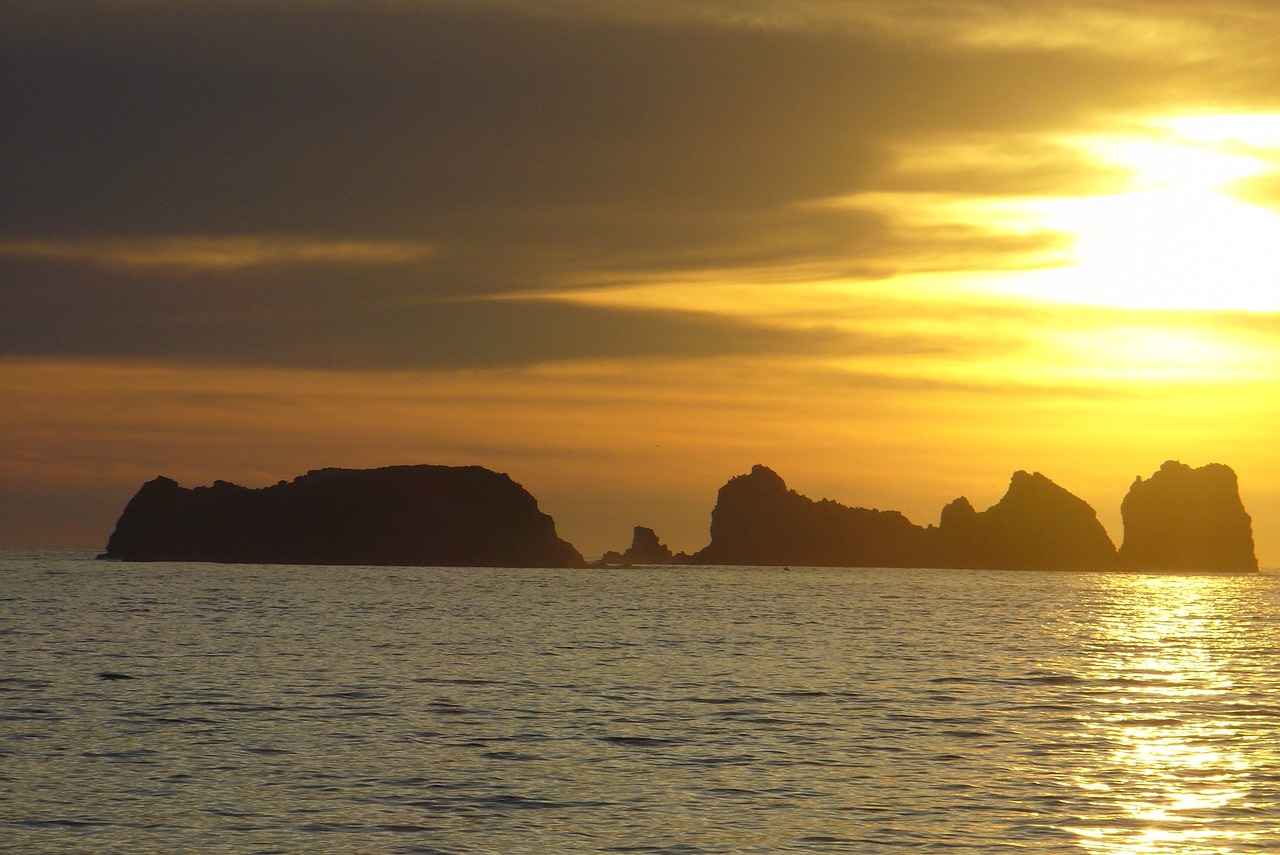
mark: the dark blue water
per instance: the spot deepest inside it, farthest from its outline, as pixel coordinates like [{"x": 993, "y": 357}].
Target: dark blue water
[{"x": 193, "y": 707}]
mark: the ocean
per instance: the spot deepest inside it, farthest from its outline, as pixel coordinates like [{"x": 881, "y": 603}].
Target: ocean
[{"x": 165, "y": 708}]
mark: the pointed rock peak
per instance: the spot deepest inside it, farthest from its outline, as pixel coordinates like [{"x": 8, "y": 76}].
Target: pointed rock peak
[
  {"x": 643, "y": 538},
  {"x": 761, "y": 479},
  {"x": 1037, "y": 525},
  {"x": 646, "y": 548},
  {"x": 763, "y": 473},
  {"x": 1023, "y": 484},
  {"x": 958, "y": 511},
  {"x": 1033, "y": 485},
  {"x": 1023, "y": 480},
  {"x": 160, "y": 486},
  {"x": 1020, "y": 482},
  {"x": 1032, "y": 493}
]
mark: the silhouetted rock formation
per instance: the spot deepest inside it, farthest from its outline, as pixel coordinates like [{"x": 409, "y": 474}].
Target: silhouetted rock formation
[
  {"x": 1187, "y": 519},
  {"x": 1037, "y": 525},
  {"x": 644, "y": 549},
  {"x": 757, "y": 520},
  {"x": 398, "y": 515}
]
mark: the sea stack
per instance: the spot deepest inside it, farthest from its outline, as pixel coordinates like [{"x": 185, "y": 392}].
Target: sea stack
[
  {"x": 458, "y": 516},
  {"x": 645, "y": 549},
  {"x": 1036, "y": 525},
  {"x": 1190, "y": 520}
]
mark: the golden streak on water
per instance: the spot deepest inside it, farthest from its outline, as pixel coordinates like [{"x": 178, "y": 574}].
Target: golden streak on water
[{"x": 1161, "y": 645}]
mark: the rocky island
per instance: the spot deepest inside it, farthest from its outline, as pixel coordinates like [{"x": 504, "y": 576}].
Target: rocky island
[
  {"x": 644, "y": 549},
  {"x": 1180, "y": 520},
  {"x": 757, "y": 520},
  {"x": 464, "y": 516},
  {"x": 1187, "y": 519},
  {"x": 1037, "y": 525}
]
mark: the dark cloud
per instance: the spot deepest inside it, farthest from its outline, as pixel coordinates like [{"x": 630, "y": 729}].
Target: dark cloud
[
  {"x": 311, "y": 321},
  {"x": 532, "y": 150},
  {"x": 396, "y": 118}
]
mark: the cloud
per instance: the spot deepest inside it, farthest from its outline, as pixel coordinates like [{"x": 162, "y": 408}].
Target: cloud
[
  {"x": 1261, "y": 190},
  {"x": 221, "y": 253},
  {"x": 408, "y": 119},
  {"x": 979, "y": 165},
  {"x": 240, "y": 238},
  {"x": 277, "y": 182},
  {"x": 349, "y": 319}
]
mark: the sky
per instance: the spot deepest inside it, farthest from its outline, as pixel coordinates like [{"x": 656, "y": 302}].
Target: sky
[{"x": 893, "y": 249}]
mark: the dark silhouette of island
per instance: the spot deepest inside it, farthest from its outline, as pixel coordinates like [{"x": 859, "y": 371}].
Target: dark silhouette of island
[
  {"x": 1195, "y": 515},
  {"x": 1036, "y": 525},
  {"x": 644, "y": 549},
  {"x": 1184, "y": 519},
  {"x": 757, "y": 520},
  {"x": 464, "y": 516},
  {"x": 1181, "y": 519}
]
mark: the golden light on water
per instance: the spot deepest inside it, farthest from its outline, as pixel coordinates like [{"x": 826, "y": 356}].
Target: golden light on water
[{"x": 1177, "y": 770}]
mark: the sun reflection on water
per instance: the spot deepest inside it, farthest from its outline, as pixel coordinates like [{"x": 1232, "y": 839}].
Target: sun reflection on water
[{"x": 1176, "y": 770}]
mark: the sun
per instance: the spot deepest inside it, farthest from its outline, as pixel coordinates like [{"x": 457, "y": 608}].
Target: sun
[{"x": 1180, "y": 235}]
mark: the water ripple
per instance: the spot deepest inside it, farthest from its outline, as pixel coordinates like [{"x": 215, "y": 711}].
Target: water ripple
[{"x": 429, "y": 710}]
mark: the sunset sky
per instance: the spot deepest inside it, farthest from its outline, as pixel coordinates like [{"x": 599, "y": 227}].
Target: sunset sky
[{"x": 623, "y": 251}]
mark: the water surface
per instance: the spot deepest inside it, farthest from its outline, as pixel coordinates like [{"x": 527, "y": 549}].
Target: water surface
[{"x": 200, "y": 707}]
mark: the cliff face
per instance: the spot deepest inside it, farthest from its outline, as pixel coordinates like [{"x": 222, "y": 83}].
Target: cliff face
[
  {"x": 405, "y": 515},
  {"x": 1187, "y": 519},
  {"x": 757, "y": 520},
  {"x": 1037, "y": 525}
]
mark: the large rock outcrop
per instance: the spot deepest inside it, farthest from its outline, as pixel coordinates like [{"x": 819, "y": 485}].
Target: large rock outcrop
[
  {"x": 645, "y": 548},
  {"x": 757, "y": 520},
  {"x": 1187, "y": 519},
  {"x": 1037, "y": 525},
  {"x": 398, "y": 515}
]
